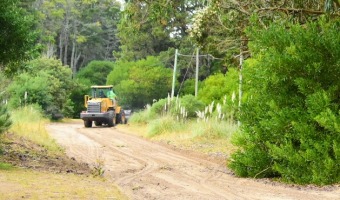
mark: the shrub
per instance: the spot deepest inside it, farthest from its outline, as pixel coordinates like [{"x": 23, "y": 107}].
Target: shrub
[
  {"x": 46, "y": 82},
  {"x": 188, "y": 103},
  {"x": 290, "y": 125},
  {"x": 159, "y": 107},
  {"x": 5, "y": 121},
  {"x": 215, "y": 87},
  {"x": 191, "y": 105}
]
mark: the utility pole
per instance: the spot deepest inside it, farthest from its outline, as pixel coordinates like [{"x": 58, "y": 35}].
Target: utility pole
[
  {"x": 240, "y": 84},
  {"x": 174, "y": 75},
  {"x": 196, "y": 79}
]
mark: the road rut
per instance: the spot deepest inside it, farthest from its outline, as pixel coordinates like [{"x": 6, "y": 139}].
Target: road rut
[{"x": 147, "y": 170}]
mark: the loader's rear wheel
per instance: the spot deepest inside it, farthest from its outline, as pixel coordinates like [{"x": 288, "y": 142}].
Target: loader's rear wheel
[
  {"x": 120, "y": 118},
  {"x": 123, "y": 118},
  {"x": 112, "y": 119},
  {"x": 98, "y": 123},
  {"x": 87, "y": 123}
]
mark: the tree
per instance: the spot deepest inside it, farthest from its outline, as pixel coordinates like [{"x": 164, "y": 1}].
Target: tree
[
  {"x": 46, "y": 82},
  {"x": 16, "y": 35},
  {"x": 150, "y": 27},
  {"x": 290, "y": 123},
  {"x": 219, "y": 28},
  {"x": 139, "y": 83},
  {"x": 78, "y": 31},
  {"x": 96, "y": 72}
]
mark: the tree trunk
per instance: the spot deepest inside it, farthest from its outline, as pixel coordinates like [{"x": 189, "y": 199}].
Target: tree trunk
[
  {"x": 50, "y": 50},
  {"x": 61, "y": 45}
]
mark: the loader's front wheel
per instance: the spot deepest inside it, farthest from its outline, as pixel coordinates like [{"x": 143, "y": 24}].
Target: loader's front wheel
[
  {"x": 87, "y": 123},
  {"x": 112, "y": 119}
]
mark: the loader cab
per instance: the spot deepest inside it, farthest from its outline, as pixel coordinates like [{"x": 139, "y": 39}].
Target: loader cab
[{"x": 100, "y": 91}]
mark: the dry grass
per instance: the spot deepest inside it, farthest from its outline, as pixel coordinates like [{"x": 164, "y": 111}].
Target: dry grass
[
  {"x": 15, "y": 183},
  {"x": 29, "y": 123},
  {"x": 27, "y": 184},
  {"x": 211, "y": 138}
]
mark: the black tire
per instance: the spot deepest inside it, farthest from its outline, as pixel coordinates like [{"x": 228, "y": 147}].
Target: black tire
[
  {"x": 123, "y": 118},
  {"x": 98, "y": 123},
  {"x": 112, "y": 119},
  {"x": 87, "y": 123},
  {"x": 118, "y": 118}
]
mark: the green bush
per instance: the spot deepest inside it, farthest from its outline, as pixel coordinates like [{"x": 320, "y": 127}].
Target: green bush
[
  {"x": 215, "y": 87},
  {"x": 173, "y": 107},
  {"x": 46, "y": 82},
  {"x": 159, "y": 107},
  {"x": 191, "y": 105},
  {"x": 290, "y": 125},
  {"x": 5, "y": 119},
  {"x": 188, "y": 87}
]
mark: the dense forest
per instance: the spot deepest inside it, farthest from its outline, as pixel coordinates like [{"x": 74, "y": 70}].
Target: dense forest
[{"x": 279, "y": 60}]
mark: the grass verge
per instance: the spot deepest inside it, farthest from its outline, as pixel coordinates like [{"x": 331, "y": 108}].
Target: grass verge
[
  {"x": 29, "y": 123},
  {"x": 211, "y": 137},
  {"x": 28, "y": 184},
  {"x": 34, "y": 166}
]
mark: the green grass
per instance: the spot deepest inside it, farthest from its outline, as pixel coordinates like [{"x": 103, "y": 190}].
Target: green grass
[
  {"x": 142, "y": 117},
  {"x": 210, "y": 137},
  {"x": 164, "y": 125},
  {"x": 213, "y": 129},
  {"x": 28, "y": 122},
  {"x": 5, "y": 166}
]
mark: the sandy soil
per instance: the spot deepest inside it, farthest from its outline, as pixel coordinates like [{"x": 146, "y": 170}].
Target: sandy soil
[{"x": 147, "y": 170}]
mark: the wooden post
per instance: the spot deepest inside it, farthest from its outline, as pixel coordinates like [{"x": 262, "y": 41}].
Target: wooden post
[
  {"x": 174, "y": 75},
  {"x": 196, "y": 79}
]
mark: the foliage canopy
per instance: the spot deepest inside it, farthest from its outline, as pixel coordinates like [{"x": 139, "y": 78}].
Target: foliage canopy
[
  {"x": 16, "y": 36},
  {"x": 46, "y": 82},
  {"x": 290, "y": 123},
  {"x": 139, "y": 83}
]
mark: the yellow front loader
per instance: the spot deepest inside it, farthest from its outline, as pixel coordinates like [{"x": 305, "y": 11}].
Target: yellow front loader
[{"x": 101, "y": 109}]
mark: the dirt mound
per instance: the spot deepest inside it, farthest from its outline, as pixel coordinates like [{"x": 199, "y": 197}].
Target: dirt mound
[{"x": 24, "y": 153}]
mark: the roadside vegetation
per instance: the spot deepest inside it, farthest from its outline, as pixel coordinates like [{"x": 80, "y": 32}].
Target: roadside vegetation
[
  {"x": 267, "y": 79},
  {"x": 34, "y": 166},
  {"x": 29, "y": 123},
  {"x": 186, "y": 123}
]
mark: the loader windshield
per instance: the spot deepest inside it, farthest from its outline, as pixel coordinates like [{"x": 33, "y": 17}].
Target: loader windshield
[{"x": 100, "y": 91}]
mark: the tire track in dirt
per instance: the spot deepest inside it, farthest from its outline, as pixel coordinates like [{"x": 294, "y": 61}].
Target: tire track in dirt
[
  {"x": 151, "y": 165},
  {"x": 145, "y": 170},
  {"x": 148, "y": 164}
]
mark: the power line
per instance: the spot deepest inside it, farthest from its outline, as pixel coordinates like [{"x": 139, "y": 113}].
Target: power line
[{"x": 202, "y": 55}]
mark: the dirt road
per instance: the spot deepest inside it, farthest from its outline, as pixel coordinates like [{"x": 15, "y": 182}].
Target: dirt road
[{"x": 146, "y": 170}]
